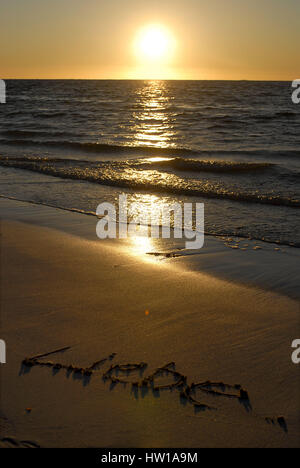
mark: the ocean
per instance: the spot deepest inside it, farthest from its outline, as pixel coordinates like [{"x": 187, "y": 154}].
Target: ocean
[{"x": 234, "y": 146}]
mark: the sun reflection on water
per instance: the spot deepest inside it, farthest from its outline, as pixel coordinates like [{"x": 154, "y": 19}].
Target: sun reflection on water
[
  {"x": 152, "y": 125},
  {"x": 157, "y": 159},
  {"x": 141, "y": 245},
  {"x": 146, "y": 210}
]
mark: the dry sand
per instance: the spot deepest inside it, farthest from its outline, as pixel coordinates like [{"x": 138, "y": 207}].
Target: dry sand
[{"x": 100, "y": 298}]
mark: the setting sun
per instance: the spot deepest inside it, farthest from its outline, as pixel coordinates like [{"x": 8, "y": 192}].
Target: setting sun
[{"x": 154, "y": 43}]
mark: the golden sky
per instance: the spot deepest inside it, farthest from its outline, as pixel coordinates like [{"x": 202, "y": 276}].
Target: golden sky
[{"x": 139, "y": 39}]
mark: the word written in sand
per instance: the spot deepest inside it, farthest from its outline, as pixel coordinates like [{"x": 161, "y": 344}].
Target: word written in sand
[
  {"x": 296, "y": 353},
  {"x": 2, "y": 352},
  {"x": 165, "y": 378}
]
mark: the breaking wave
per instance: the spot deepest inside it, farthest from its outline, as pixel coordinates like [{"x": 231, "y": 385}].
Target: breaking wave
[{"x": 146, "y": 175}]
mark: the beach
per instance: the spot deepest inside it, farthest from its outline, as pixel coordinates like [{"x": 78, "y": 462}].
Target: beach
[{"x": 61, "y": 287}]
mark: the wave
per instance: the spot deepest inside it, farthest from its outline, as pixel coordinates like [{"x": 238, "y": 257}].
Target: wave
[
  {"x": 225, "y": 120},
  {"x": 35, "y": 133},
  {"x": 49, "y": 115},
  {"x": 142, "y": 150},
  {"x": 36, "y": 114},
  {"x": 277, "y": 115},
  {"x": 101, "y": 147},
  {"x": 213, "y": 166},
  {"x": 180, "y": 164},
  {"x": 127, "y": 175}
]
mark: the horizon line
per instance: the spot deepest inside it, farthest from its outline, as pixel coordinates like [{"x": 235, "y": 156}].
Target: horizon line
[{"x": 151, "y": 79}]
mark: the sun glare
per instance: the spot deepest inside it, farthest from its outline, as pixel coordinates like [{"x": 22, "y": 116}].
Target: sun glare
[{"x": 154, "y": 43}]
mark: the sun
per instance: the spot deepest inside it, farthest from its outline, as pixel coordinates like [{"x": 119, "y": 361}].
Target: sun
[{"x": 154, "y": 43}]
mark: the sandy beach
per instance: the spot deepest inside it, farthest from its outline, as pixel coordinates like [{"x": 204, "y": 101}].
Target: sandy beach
[{"x": 62, "y": 287}]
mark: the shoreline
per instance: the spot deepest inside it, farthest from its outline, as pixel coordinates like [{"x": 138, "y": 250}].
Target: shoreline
[{"x": 215, "y": 258}]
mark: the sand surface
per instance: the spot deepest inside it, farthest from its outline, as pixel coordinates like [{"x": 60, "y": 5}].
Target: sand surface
[{"x": 98, "y": 298}]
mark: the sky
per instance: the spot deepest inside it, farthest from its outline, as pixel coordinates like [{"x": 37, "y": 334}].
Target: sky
[{"x": 155, "y": 39}]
